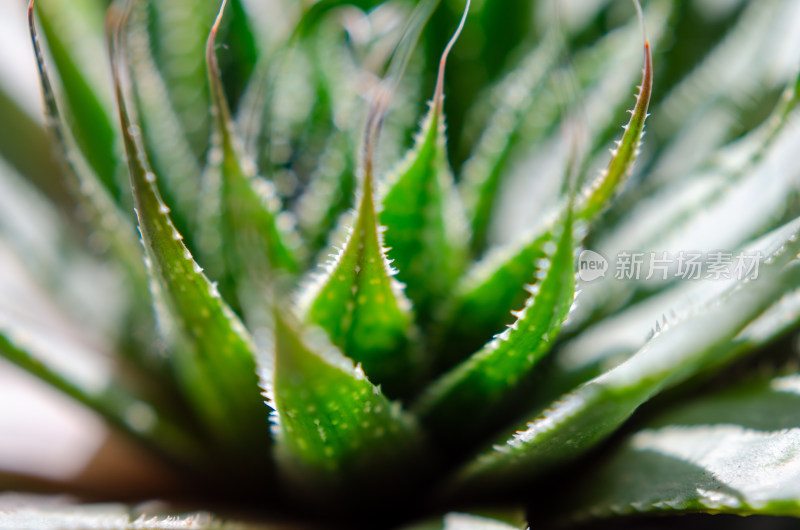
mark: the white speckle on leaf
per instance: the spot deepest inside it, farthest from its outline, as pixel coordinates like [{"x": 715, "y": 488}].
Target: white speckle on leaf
[
  {"x": 789, "y": 383},
  {"x": 140, "y": 417}
]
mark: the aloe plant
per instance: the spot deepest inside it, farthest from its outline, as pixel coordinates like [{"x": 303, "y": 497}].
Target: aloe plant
[{"x": 323, "y": 304}]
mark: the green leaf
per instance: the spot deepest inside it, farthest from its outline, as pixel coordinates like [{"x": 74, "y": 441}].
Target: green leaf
[
  {"x": 120, "y": 408},
  {"x": 178, "y": 30},
  {"x": 361, "y": 306},
  {"x": 715, "y": 191},
  {"x": 731, "y": 452},
  {"x": 695, "y": 103},
  {"x": 109, "y": 226},
  {"x": 167, "y": 145},
  {"x": 485, "y": 297},
  {"x": 18, "y": 147},
  {"x": 74, "y": 36},
  {"x": 331, "y": 106},
  {"x": 514, "y": 97},
  {"x": 331, "y": 135},
  {"x": 480, "y": 392},
  {"x": 488, "y": 292},
  {"x": 241, "y": 53},
  {"x": 425, "y": 231},
  {"x": 622, "y": 158},
  {"x": 698, "y": 342},
  {"x": 330, "y": 191},
  {"x": 99, "y": 208},
  {"x": 255, "y": 243},
  {"x": 214, "y": 357},
  {"x": 590, "y": 92},
  {"x": 333, "y": 427},
  {"x": 612, "y": 340},
  {"x": 357, "y": 301}
]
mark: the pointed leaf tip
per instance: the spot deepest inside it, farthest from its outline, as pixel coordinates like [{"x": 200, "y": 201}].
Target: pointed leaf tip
[
  {"x": 438, "y": 94},
  {"x": 333, "y": 426},
  {"x": 384, "y": 91},
  {"x": 362, "y": 307},
  {"x": 213, "y": 68},
  {"x": 426, "y": 227},
  {"x": 494, "y": 285},
  {"x": 480, "y": 393},
  {"x": 704, "y": 339},
  {"x": 255, "y": 244},
  {"x": 213, "y": 355},
  {"x": 598, "y": 196}
]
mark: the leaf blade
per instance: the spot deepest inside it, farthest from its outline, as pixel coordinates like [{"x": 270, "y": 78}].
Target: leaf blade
[
  {"x": 102, "y": 214},
  {"x": 332, "y": 426},
  {"x": 481, "y": 391},
  {"x": 215, "y": 357},
  {"x": 484, "y": 170},
  {"x": 590, "y": 413},
  {"x": 362, "y": 307},
  {"x": 167, "y": 145},
  {"x": 255, "y": 244},
  {"x": 114, "y": 403},
  {"x": 492, "y": 288},
  {"x": 424, "y": 219},
  {"x": 730, "y": 452},
  {"x": 94, "y": 129}
]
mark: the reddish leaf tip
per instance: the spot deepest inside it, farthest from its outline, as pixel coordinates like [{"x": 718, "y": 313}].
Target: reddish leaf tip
[{"x": 438, "y": 96}]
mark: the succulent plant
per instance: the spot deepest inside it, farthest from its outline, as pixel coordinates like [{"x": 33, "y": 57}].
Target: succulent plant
[{"x": 500, "y": 324}]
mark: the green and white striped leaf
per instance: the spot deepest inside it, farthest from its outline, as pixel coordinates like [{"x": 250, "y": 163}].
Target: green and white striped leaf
[
  {"x": 698, "y": 342},
  {"x": 99, "y": 207},
  {"x": 586, "y": 96},
  {"x": 332, "y": 184},
  {"x": 695, "y": 113},
  {"x": 330, "y": 192},
  {"x": 610, "y": 341},
  {"x": 730, "y": 452},
  {"x": 674, "y": 218},
  {"x": 178, "y": 36}
]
